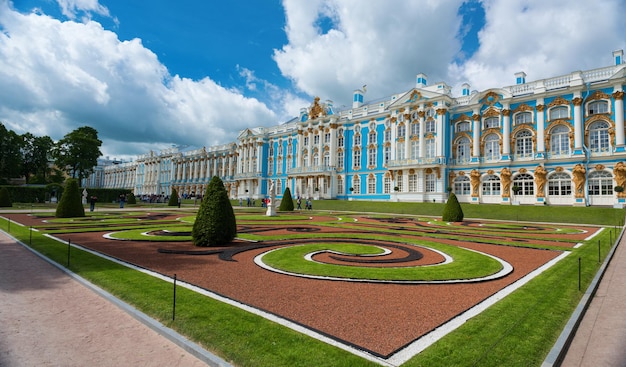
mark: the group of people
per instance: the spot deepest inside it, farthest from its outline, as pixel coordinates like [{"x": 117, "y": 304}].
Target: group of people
[{"x": 308, "y": 204}]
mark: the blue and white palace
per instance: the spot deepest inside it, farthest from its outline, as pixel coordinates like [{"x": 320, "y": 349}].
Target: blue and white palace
[{"x": 557, "y": 141}]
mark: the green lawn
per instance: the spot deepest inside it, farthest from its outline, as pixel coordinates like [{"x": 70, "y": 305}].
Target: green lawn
[{"x": 517, "y": 331}]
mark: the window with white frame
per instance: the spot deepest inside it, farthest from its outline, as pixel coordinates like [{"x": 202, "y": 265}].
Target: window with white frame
[
  {"x": 327, "y": 138},
  {"x": 279, "y": 186},
  {"x": 387, "y": 135},
  {"x": 430, "y": 148},
  {"x": 316, "y": 159},
  {"x": 430, "y": 182},
  {"x": 492, "y": 147},
  {"x": 371, "y": 137},
  {"x": 280, "y": 149},
  {"x": 371, "y": 156},
  {"x": 491, "y": 122},
  {"x": 415, "y": 149},
  {"x": 326, "y": 159},
  {"x": 340, "y": 141},
  {"x": 600, "y": 183},
  {"x": 430, "y": 112},
  {"x": 387, "y": 185},
  {"x": 279, "y": 165},
  {"x": 463, "y": 126},
  {"x": 462, "y": 185},
  {"x": 316, "y": 139},
  {"x": 339, "y": 185},
  {"x": 559, "y": 184},
  {"x": 597, "y": 107},
  {"x": 400, "y": 154},
  {"x": 413, "y": 183},
  {"x": 430, "y": 126},
  {"x": 356, "y": 184},
  {"x": 371, "y": 184},
  {"x": 415, "y": 128},
  {"x": 270, "y": 167},
  {"x": 387, "y": 153},
  {"x": 526, "y": 184},
  {"x": 356, "y": 158},
  {"x": 305, "y": 159},
  {"x": 559, "y": 112},
  {"x": 340, "y": 159},
  {"x": 523, "y": 118},
  {"x": 524, "y": 144},
  {"x": 599, "y": 140},
  {"x": 401, "y": 131},
  {"x": 463, "y": 149},
  {"x": 400, "y": 182},
  {"x": 271, "y": 152},
  {"x": 559, "y": 141},
  {"x": 357, "y": 140},
  {"x": 491, "y": 185}
]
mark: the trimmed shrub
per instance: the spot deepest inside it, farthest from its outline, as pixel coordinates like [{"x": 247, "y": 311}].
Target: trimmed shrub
[
  {"x": 70, "y": 205},
  {"x": 452, "y": 212},
  {"x": 215, "y": 223},
  {"x": 130, "y": 198},
  {"x": 5, "y": 198},
  {"x": 173, "y": 198},
  {"x": 286, "y": 204}
]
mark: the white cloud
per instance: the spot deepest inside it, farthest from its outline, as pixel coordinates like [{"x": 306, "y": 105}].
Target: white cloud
[
  {"x": 70, "y": 8},
  {"x": 543, "y": 39},
  {"x": 57, "y": 76}
]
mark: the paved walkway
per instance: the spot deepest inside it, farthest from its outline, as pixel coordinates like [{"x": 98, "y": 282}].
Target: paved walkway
[
  {"x": 50, "y": 319},
  {"x": 600, "y": 340}
]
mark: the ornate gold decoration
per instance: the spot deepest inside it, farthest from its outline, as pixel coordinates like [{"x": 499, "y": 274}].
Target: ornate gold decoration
[
  {"x": 421, "y": 114},
  {"x": 475, "y": 182},
  {"x": 490, "y": 172},
  {"x": 462, "y": 117},
  {"x": 620, "y": 177},
  {"x": 558, "y": 101},
  {"x": 540, "y": 181},
  {"x": 577, "y": 101},
  {"x": 441, "y": 111},
  {"x": 522, "y": 108},
  {"x": 430, "y": 136},
  {"x": 416, "y": 96},
  {"x": 559, "y": 169},
  {"x": 490, "y": 98},
  {"x": 619, "y": 95},
  {"x": 523, "y": 170},
  {"x": 579, "y": 180},
  {"x": 599, "y": 167},
  {"x": 393, "y": 120},
  {"x": 429, "y": 105},
  {"x": 491, "y": 112},
  {"x": 437, "y": 171},
  {"x": 461, "y": 173},
  {"x": 316, "y": 110},
  {"x": 476, "y": 117},
  {"x": 428, "y": 171},
  {"x": 505, "y": 178},
  {"x": 541, "y": 107},
  {"x": 598, "y": 95},
  {"x": 506, "y": 112}
]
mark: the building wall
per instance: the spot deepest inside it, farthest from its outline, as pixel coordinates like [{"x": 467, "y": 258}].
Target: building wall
[{"x": 559, "y": 141}]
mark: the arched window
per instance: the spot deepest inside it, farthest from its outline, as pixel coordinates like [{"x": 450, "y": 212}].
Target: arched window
[
  {"x": 491, "y": 185},
  {"x": 463, "y": 126},
  {"x": 340, "y": 160},
  {"x": 524, "y": 144},
  {"x": 371, "y": 137},
  {"x": 491, "y": 122},
  {"x": 597, "y": 107},
  {"x": 356, "y": 184},
  {"x": 559, "y": 112},
  {"x": 462, "y": 185},
  {"x": 599, "y": 137},
  {"x": 371, "y": 156},
  {"x": 357, "y": 140},
  {"x": 523, "y": 118},
  {"x": 413, "y": 182},
  {"x": 526, "y": 184},
  {"x": 559, "y": 141},
  {"x": 430, "y": 126},
  {"x": 600, "y": 183},
  {"x": 560, "y": 184},
  {"x": 401, "y": 131},
  {"x": 387, "y": 184},
  {"x": 430, "y": 182},
  {"x": 339, "y": 185},
  {"x": 463, "y": 150},
  {"x": 356, "y": 158},
  {"x": 326, "y": 159},
  {"x": 371, "y": 184},
  {"x": 492, "y": 147},
  {"x": 340, "y": 139},
  {"x": 316, "y": 159},
  {"x": 415, "y": 128}
]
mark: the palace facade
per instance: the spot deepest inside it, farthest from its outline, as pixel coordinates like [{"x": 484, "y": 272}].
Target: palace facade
[{"x": 557, "y": 141}]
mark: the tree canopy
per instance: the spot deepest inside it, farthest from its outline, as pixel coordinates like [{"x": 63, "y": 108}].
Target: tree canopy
[{"x": 78, "y": 152}]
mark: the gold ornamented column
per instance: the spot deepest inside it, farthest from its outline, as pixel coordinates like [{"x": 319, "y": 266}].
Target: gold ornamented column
[
  {"x": 618, "y": 95},
  {"x": 578, "y": 125},
  {"x": 541, "y": 144}
]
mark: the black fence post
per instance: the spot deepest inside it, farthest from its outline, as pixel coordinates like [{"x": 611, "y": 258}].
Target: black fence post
[
  {"x": 579, "y": 270},
  {"x": 69, "y": 246},
  {"x": 174, "y": 301}
]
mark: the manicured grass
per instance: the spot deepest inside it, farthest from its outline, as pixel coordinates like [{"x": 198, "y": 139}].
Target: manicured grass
[{"x": 517, "y": 331}]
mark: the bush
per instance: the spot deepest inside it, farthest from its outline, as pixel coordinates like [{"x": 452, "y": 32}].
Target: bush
[
  {"x": 173, "y": 198},
  {"x": 71, "y": 204},
  {"x": 286, "y": 204},
  {"x": 130, "y": 198},
  {"x": 215, "y": 223},
  {"x": 452, "y": 212},
  {"x": 5, "y": 198}
]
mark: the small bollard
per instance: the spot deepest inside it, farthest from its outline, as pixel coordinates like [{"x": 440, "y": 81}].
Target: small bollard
[
  {"x": 69, "y": 246},
  {"x": 174, "y": 301}
]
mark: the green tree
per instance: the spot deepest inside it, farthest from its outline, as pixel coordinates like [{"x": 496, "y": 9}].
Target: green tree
[
  {"x": 452, "y": 212},
  {"x": 5, "y": 198},
  {"x": 35, "y": 157},
  {"x": 215, "y": 223},
  {"x": 10, "y": 154},
  {"x": 287, "y": 203},
  {"x": 78, "y": 152},
  {"x": 173, "y": 201},
  {"x": 70, "y": 205}
]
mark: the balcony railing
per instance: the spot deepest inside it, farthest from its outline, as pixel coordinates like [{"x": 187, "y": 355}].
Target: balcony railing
[
  {"x": 417, "y": 162},
  {"x": 310, "y": 169}
]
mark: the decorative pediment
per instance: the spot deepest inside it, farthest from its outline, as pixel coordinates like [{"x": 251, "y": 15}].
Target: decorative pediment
[
  {"x": 491, "y": 112},
  {"x": 558, "y": 101},
  {"x": 523, "y": 108},
  {"x": 598, "y": 95}
]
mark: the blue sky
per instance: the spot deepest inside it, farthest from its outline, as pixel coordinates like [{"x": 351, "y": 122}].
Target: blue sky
[{"x": 149, "y": 75}]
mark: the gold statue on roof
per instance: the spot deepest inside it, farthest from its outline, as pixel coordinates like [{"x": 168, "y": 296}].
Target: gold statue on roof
[{"x": 316, "y": 109}]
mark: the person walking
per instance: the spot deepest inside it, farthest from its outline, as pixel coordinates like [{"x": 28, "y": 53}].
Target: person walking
[
  {"x": 122, "y": 200},
  {"x": 299, "y": 202},
  {"x": 92, "y": 203}
]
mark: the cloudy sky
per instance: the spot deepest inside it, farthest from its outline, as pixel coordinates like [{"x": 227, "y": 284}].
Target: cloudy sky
[{"x": 152, "y": 74}]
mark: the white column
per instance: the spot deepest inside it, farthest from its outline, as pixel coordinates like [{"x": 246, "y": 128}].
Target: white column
[
  {"x": 578, "y": 124},
  {"x": 439, "y": 139},
  {"x": 618, "y": 95},
  {"x": 506, "y": 131},
  {"x": 422, "y": 130},
  {"x": 476, "y": 134},
  {"x": 541, "y": 140}
]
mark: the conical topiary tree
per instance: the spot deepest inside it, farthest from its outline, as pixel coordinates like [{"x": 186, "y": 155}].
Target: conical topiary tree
[
  {"x": 215, "y": 223},
  {"x": 130, "y": 198},
  {"x": 286, "y": 204},
  {"x": 70, "y": 205},
  {"x": 452, "y": 212},
  {"x": 173, "y": 198},
  {"x": 5, "y": 198}
]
